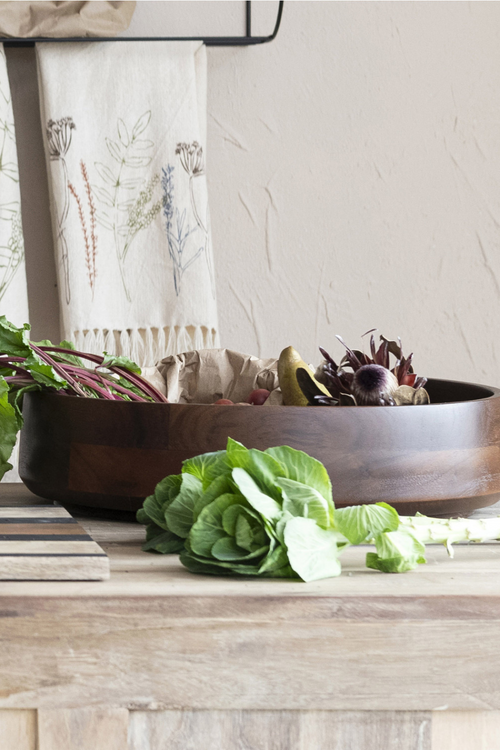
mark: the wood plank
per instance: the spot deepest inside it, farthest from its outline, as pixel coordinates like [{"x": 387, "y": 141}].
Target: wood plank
[
  {"x": 278, "y": 730},
  {"x": 18, "y": 730},
  {"x": 464, "y": 584},
  {"x": 33, "y": 511},
  {"x": 83, "y": 729},
  {"x": 158, "y": 637},
  {"x": 59, "y": 567},
  {"x": 38, "y": 529},
  {"x": 16, "y": 493},
  {"x": 28, "y": 551},
  {"x": 50, "y": 547},
  {"x": 466, "y": 730},
  {"x": 247, "y": 653},
  {"x": 464, "y": 587}
]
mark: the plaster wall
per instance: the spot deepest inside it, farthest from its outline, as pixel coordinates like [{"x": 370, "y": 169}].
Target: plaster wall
[{"x": 354, "y": 176}]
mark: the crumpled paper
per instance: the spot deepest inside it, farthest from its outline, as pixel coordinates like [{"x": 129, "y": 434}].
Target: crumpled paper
[
  {"x": 64, "y": 19},
  {"x": 206, "y": 375}
]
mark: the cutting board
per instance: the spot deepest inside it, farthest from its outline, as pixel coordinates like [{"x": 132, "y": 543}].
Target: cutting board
[{"x": 44, "y": 542}]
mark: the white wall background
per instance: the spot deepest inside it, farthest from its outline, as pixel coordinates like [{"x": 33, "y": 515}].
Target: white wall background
[{"x": 354, "y": 174}]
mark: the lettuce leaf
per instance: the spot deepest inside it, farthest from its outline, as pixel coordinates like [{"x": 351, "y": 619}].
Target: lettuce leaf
[
  {"x": 304, "y": 501},
  {"x": 9, "y": 427},
  {"x": 312, "y": 551},
  {"x": 360, "y": 523},
  {"x": 179, "y": 513},
  {"x": 397, "y": 552}
]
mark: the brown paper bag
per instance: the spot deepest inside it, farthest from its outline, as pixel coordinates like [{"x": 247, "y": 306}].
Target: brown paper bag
[
  {"x": 203, "y": 376},
  {"x": 64, "y": 19}
]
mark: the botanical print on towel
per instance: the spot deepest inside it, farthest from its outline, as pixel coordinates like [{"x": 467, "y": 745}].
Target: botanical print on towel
[
  {"x": 90, "y": 242},
  {"x": 191, "y": 158},
  {"x": 11, "y": 251},
  {"x": 140, "y": 271},
  {"x": 12, "y": 254},
  {"x": 126, "y": 212},
  {"x": 59, "y": 134}
]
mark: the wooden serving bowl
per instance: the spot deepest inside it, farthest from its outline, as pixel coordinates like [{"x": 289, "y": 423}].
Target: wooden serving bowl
[{"x": 439, "y": 459}]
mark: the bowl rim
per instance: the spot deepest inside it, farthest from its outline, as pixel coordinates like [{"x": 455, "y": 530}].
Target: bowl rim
[{"x": 495, "y": 394}]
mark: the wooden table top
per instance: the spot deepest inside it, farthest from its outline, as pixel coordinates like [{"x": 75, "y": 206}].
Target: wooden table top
[
  {"x": 156, "y": 635},
  {"x": 474, "y": 571}
]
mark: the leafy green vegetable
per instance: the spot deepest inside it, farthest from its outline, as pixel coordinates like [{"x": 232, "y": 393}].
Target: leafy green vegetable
[
  {"x": 209, "y": 527},
  {"x": 263, "y": 468},
  {"x": 202, "y": 467},
  {"x": 360, "y": 523},
  {"x": 306, "y": 502},
  {"x": 219, "y": 486},
  {"x": 300, "y": 467},
  {"x": 127, "y": 364},
  {"x": 43, "y": 373},
  {"x": 14, "y": 341},
  {"x": 158, "y": 540},
  {"x": 263, "y": 504},
  {"x": 312, "y": 551},
  {"x": 179, "y": 512},
  {"x": 71, "y": 359},
  {"x": 271, "y": 514},
  {"x": 27, "y": 365},
  {"x": 9, "y": 426},
  {"x": 165, "y": 492},
  {"x": 397, "y": 552}
]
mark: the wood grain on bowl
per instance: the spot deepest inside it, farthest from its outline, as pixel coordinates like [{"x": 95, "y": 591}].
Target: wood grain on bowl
[{"x": 442, "y": 458}]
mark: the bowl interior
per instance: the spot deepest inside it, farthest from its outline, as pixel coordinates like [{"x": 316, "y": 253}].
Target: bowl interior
[{"x": 449, "y": 391}]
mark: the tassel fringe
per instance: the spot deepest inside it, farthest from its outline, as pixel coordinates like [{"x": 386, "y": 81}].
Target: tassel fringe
[{"x": 146, "y": 346}]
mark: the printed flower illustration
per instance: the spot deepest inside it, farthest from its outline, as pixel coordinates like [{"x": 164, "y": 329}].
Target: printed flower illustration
[
  {"x": 128, "y": 204},
  {"x": 178, "y": 232},
  {"x": 89, "y": 237},
  {"x": 59, "y": 134},
  {"x": 191, "y": 158},
  {"x": 12, "y": 254}
]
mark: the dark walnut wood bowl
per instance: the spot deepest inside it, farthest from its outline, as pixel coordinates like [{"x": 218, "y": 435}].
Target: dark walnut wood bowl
[{"x": 439, "y": 459}]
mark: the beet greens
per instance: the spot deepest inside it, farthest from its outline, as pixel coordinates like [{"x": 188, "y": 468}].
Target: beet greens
[{"x": 30, "y": 366}]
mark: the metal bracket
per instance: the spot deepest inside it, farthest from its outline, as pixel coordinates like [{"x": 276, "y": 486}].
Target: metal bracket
[{"x": 210, "y": 41}]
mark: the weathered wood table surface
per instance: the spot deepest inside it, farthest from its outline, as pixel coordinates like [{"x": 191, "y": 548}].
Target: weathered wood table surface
[{"x": 157, "y": 658}]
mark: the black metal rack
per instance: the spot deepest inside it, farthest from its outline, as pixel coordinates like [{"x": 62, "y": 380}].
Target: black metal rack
[{"x": 210, "y": 41}]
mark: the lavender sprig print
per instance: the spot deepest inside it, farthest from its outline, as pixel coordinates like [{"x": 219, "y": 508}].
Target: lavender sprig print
[
  {"x": 191, "y": 158},
  {"x": 89, "y": 237},
  {"x": 121, "y": 212},
  {"x": 177, "y": 235},
  {"x": 59, "y": 135},
  {"x": 139, "y": 215}
]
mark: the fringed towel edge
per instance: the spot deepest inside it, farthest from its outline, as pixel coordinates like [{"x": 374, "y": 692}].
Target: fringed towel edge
[{"x": 146, "y": 346}]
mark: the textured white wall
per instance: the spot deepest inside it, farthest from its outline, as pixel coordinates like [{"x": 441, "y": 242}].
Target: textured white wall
[{"x": 354, "y": 172}]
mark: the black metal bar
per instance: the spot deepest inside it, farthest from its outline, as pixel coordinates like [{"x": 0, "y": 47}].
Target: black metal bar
[
  {"x": 248, "y": 8},
  {"x": 210, "y": 41}
]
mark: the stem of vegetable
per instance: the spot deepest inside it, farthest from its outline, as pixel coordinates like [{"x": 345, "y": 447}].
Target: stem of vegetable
[
  {"x": 58, "y": 368},
  {"x": 450, "y": 530},
  {"x": 97, "y": 378},
  {"x": 132, "y": 377}
]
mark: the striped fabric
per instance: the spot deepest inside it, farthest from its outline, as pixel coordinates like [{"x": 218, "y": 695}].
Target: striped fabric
[{"x": 44, "y": 542}]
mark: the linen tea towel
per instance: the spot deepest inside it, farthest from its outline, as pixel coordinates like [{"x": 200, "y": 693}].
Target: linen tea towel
[
  {"x": 13, "y": 289},
  {"x": 125, "y": 145}
]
